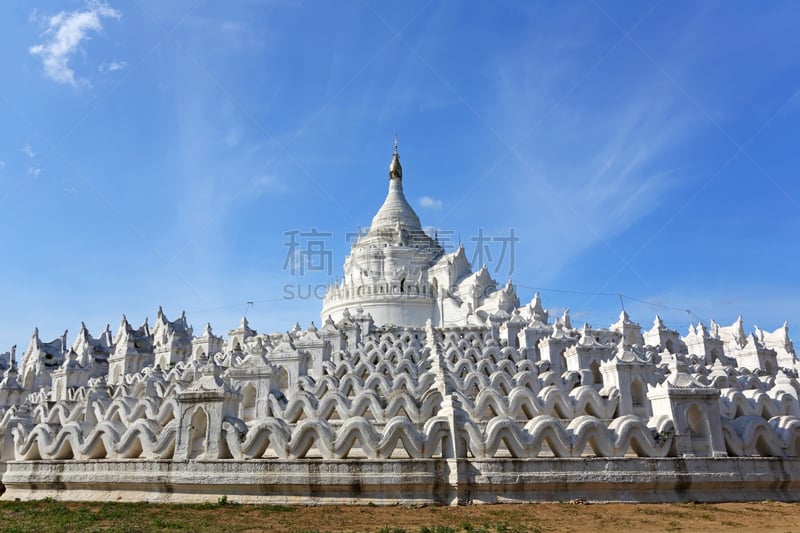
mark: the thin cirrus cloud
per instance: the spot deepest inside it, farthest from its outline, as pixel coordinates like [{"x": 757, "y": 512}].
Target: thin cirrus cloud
[
  {"x": 430, "y": 203},
  {"x": 112, "y": 66},
  {"x": 63, "y": 36},
  {"x": 27, "y": 149}
]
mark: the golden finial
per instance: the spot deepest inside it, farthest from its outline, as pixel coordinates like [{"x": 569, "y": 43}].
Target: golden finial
[{"x": 395, "y": 170}]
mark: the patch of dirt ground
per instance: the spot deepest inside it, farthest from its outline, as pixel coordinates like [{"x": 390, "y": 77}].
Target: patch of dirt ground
[
  {"x": 576, "y": 517},
  {"x": 49, "y": 515},
  {"x": 573, "y": 517}
]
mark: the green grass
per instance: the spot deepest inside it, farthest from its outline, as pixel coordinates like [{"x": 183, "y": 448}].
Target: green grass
[
  {"x": 49, "y": 515},
  {"x": 224, "y": 515}
]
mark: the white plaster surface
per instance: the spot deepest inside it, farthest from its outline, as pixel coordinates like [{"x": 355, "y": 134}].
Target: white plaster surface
[{"x": 427, "y": 381}]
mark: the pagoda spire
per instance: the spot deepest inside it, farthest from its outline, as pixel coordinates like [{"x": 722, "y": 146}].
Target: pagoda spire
[{"x": 395, "y": 169}]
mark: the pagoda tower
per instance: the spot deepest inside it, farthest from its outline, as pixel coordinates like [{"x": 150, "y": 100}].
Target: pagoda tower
[{"x": 386, "y": 273}]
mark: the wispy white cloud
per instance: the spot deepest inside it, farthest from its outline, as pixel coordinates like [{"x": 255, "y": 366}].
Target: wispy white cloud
[
  {"x": 64, "y": 34},
  {"x": 616, "y": 170},
  {"x": 2, "y": 165},
  {"x": 267, "y": 183},
  {"x": 113, "y": 66},
  {"x": 600, "y": 199},
  {"x": 34, "y": 171},
  {"x": 27, "y": 149},
  {"x": 431, "y": 203}
]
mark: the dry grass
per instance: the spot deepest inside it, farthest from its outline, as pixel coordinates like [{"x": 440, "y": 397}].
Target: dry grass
[{"x": 51, "y": 515}]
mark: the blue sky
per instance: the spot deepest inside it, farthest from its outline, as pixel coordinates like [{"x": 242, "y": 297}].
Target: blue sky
[{"x": 159, "y": 153}]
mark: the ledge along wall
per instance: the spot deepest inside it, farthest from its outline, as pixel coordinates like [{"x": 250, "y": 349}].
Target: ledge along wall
[{"x": 431, "y": 481}]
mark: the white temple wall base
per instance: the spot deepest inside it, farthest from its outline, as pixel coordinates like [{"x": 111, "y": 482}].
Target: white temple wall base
[{"x": 432, "y": 481}]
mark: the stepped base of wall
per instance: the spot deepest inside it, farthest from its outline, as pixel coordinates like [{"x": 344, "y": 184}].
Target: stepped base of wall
[{"x": 431, "y": 481}]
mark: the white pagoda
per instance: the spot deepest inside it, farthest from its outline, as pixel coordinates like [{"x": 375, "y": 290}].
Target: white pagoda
[
  {"x": 427, "y": 382},
  {"x": 398, "y": 275}
]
